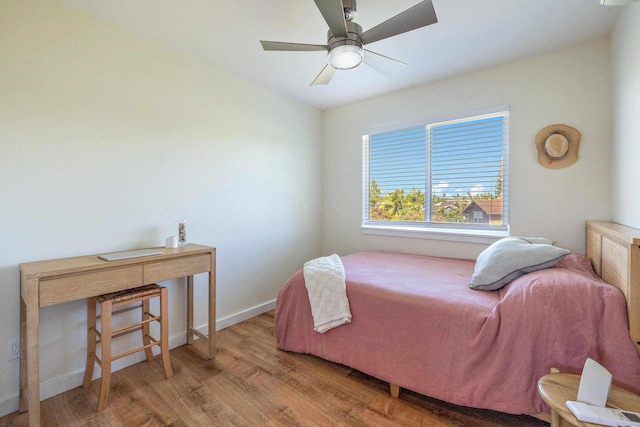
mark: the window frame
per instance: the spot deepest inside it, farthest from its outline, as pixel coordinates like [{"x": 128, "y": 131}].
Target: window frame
[{"x": 467, "y": 232}]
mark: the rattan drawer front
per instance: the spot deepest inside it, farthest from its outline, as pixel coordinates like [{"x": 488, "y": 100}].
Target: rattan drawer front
[
  {"x": 84, "y": 285},
  {"x": 187, "y": 266}
]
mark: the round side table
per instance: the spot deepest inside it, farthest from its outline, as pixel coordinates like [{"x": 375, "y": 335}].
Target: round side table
[{"x": 555, "y": 389}]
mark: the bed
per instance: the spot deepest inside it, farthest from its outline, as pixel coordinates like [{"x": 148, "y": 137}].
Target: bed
[{"x": 417, "y": 325}]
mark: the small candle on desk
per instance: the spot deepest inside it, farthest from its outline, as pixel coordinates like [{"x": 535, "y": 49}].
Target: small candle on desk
[{"x": 171, "y": 242}]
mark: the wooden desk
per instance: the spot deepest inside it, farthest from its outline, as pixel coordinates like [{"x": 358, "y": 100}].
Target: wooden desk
[
  {"x": 555, "y": 389},
  {"x": 45, "y": 283}
]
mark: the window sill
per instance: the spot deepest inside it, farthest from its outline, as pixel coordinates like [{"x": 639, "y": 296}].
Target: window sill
[{"x": 447, "y": 234}]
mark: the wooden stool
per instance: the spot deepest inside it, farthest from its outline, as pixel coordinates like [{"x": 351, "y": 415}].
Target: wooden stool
[{"x": 140, "y": 295}]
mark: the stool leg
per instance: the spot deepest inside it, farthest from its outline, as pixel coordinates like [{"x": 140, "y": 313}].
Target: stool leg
[
  {"x": 106, "y": 355},
  {"x": 146, "y": 340},
  {"x": 164, "y": 332},
  {"x": 91, "y": 342}
]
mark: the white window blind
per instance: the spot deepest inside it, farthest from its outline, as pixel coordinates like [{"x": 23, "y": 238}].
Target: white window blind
[{"x": 451, "y": 174}]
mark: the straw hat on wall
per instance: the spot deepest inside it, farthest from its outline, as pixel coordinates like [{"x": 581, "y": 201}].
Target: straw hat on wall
[{"x": 557, "y": 146}]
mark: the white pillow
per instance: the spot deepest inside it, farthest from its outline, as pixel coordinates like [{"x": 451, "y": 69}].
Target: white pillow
[{"x": 512, "y": 257}]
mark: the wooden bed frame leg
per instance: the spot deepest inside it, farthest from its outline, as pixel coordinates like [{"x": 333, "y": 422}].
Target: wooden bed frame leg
[{"x": 395, "y": 390}]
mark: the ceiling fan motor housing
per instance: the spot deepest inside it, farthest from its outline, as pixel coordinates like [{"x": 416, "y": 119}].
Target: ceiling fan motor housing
[{"x": 353, "y": 36}]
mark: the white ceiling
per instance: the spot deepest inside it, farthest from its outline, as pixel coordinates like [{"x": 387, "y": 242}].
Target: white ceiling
[{"x": 470, "y": 34}]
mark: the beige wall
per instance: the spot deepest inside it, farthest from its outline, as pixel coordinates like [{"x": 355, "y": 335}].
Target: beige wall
[
  {"x": 569, "y": 86},
  {"x": 625, "y": 148},
  {"x": 107, "y": 141}
]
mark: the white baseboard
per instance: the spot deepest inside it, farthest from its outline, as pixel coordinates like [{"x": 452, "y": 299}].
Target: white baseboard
[
  {"x": 9, "y": 404},
  {"x": 244, "y": 315}
]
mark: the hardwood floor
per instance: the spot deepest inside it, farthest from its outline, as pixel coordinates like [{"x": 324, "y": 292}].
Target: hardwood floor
[{"x": 251, "y": 383}]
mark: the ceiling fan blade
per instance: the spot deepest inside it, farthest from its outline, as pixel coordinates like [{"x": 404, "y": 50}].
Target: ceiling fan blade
[
  {"x": 383, "y": 64},
  {"x": 333, "y": 13},
  {"x": 325, "y": 76},
  {"x": 418, "y": 16},
  {"x": 284, "y": 46}
]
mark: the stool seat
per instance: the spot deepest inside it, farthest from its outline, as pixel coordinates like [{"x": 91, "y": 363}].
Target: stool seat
[
  {"x": 130, "y": 294},
  {"x": 131, "y": 299}
]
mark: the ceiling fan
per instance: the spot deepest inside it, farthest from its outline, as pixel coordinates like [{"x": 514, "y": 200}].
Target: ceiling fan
[{"x": 345, "y": 39}]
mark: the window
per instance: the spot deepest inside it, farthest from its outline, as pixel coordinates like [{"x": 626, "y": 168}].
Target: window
[{"x": 446, "y": 176}]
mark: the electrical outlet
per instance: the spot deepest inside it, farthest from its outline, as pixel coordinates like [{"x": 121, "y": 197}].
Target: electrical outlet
[{"x": 14, "y": 349}]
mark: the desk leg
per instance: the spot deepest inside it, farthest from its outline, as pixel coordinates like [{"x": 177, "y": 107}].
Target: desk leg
[
  {"x": 211, "y": 338},
  {"x": 29, "y": 355},
  {"x": 212, "y": 311},
  {"x": 22, "y": 400},
  {"x": 189, "y": 309}
]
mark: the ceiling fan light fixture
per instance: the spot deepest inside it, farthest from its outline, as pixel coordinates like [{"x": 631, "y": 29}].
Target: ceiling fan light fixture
[{"x": 346, "y": 57}]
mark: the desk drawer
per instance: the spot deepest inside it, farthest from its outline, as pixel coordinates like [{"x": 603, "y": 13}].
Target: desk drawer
[
  {"x": 180, "y": 267},
  {"x": 84, "y": 285}
]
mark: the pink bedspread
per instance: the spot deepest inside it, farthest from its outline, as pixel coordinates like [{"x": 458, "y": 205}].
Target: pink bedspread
[{"x": 416, "y": 324}]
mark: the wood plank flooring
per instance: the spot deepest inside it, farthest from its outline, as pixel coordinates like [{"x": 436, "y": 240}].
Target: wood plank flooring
[{"x": 251, "y": 383}]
